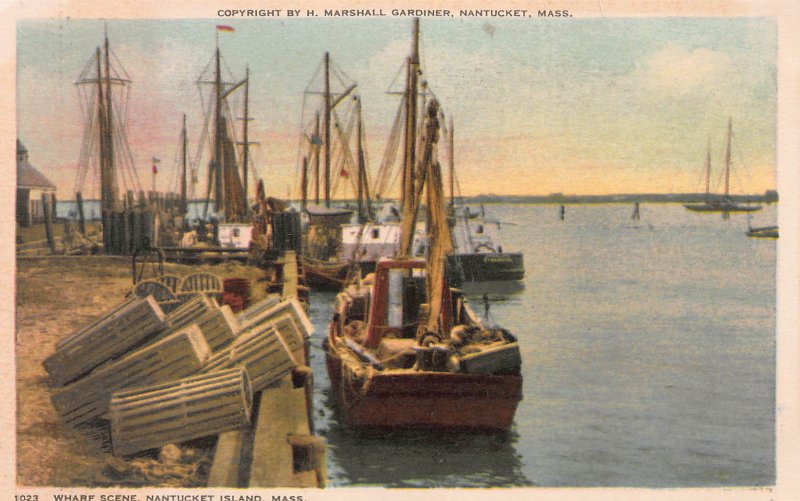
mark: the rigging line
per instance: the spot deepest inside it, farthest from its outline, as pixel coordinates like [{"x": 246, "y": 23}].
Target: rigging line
[
  {"x": 298, "y": 159},
  {"x": 390, "y": 153},
  {"x": 132, "y": 165},
  {"x": 204, "y": 138},
  {"x": 347, "y": 154},
  {"x": 314, "y": 76},
  {"x": 126, "y": 157},
  {"x": 120, "y": 157},
  {"x": 118, "y": 67},
  {"x": 400, "y": 71},
  {"x": 88, "y": 124}
]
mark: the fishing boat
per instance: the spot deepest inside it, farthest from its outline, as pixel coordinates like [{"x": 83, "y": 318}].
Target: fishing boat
[
  {"x": 725, "y": 204},
  {"x": 404, "y": 350},
  {"x": 478, "y": 255},
  {"x": 322, "y": 265},
  {"x": 763, "y": 232}
]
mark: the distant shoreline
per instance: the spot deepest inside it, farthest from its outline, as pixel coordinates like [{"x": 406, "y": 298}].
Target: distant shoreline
[{"x": 561, "y": 199}]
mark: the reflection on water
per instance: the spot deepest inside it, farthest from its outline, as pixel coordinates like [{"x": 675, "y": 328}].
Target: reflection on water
[
  {"x": 648, "y": 358},
  {"x": 422, "y": 458},
  {"x": 409, "y": 458}
]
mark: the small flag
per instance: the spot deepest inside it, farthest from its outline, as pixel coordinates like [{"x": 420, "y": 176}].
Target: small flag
[
  {"x": 316, "y": 140},
  {"x": 222, "y": 27},
  {"x": 156, "y": 160},
  {"x": 155, "y": 169},
  {"x": 344, "y": 173}
]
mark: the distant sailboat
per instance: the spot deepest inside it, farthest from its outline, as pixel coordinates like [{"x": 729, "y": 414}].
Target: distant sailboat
[{"x": 725, "y": 205}]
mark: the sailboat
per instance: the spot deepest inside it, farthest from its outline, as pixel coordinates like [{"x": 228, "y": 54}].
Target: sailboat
[
  {"x": 404, "y": 350},
  {"x": 726, "y": 204},
  {"x": 338, "y": 248}
]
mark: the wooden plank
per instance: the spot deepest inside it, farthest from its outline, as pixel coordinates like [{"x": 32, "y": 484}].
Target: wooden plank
[
  {"x": 282, "y": 412},
  {"x": 230, "y": 462},
  {"x": 290, "y": 275}
]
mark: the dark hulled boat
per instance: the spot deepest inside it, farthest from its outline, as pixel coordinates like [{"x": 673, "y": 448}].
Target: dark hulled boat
[{"x": 477, "y": 255}]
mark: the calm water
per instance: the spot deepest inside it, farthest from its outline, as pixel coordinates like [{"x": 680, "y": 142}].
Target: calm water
[{"x": 648, "y": 360}]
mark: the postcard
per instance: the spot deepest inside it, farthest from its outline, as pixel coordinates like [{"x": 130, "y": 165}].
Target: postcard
[{"x": 287, "y": 252}]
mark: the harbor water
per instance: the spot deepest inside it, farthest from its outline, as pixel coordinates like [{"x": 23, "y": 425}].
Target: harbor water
[{"x": 648, "y": 359}]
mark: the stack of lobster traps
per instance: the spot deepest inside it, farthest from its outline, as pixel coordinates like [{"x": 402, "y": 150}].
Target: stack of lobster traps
[{"x": 151, "y": 378}]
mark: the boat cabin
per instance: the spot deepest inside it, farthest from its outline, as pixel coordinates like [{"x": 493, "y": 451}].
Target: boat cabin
[
  {"x": 235, "y": 235},
  {"x": 395, "y": 303}
]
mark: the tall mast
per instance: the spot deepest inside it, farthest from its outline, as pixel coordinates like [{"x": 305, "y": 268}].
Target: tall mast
[
  {"x": 101, "y": 120},
  {"x": 728, "y": 157},
  {"x": 708, "y": 169},
  {"x": 360, "y": 151},
  {"x": 218, "y": 187},
  {"x": 452, "y": 163},
  {"x": 184, "y": 142},
  {"x": 327, "y": 131},
  {"x": 246, "y": 152},
  {"x": 316, "y": 161},
  {"x": 112, "y": 177},
  {"x": 411, "y": 118},
  {"x": 362, "y": 167},
  {"x": 304, "y": 183}
]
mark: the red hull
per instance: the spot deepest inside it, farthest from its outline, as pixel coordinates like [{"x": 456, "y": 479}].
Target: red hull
[{"x": 431, "y": 400}]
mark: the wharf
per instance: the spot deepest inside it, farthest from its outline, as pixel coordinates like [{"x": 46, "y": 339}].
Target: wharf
[
  {"x": 56, "y": 295},
  {"x": 279, "y": 450}
]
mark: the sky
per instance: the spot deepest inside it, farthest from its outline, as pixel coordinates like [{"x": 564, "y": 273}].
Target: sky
[{"x": 574, "y": 106}]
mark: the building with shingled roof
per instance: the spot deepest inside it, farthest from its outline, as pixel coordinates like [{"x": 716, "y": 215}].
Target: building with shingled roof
[{"x": 31, "y": 185}]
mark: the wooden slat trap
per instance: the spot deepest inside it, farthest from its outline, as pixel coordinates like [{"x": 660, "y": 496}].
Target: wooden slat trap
[
  {"x": 189, "y": 408},
  {"x": 176, "y": 356},
  {"x": 122, "y": 328}
]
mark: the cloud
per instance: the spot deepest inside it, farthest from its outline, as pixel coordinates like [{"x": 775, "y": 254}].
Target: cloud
[{"x": 680, "y": 71}]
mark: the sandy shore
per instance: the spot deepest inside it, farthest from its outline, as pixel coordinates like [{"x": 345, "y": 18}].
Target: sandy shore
[{"x": 55, "y": 297}]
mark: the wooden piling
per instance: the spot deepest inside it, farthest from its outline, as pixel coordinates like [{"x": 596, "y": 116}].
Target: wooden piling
[
  {"x": 281, "y": 458},
  {"x": 48, "y": 223},
  {"x": 81, "y": 217}
]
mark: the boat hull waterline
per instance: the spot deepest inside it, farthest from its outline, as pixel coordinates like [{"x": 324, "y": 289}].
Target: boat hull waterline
[
  {"x": 485, "y": 267},
  {"x": 722, "y": 208},
  {"x": 422, "y": 399}
]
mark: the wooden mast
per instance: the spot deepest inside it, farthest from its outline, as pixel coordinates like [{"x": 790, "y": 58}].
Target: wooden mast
[
  {"x": 410, "y": 212},
  {"x": 246, "y": 151},
  {"x": 101, "y": 120},
  {"x": 708, "y": 170},
  {"x": 304, "y": 182},
  {"x": 218, "y": 125},
  {"x": 184, "y": 141},
  {"x": 360, "y": 153},
  {"x": 452, "y": 164},
  {"x": 410, "y": 140},
  {"x": 112, "y": 178},
  {"x": 327, "y": 125},
  {"x": 316, "y": 160},
  {"x": 364, "y": 203},
  {"x": 728, "y": 158}
]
